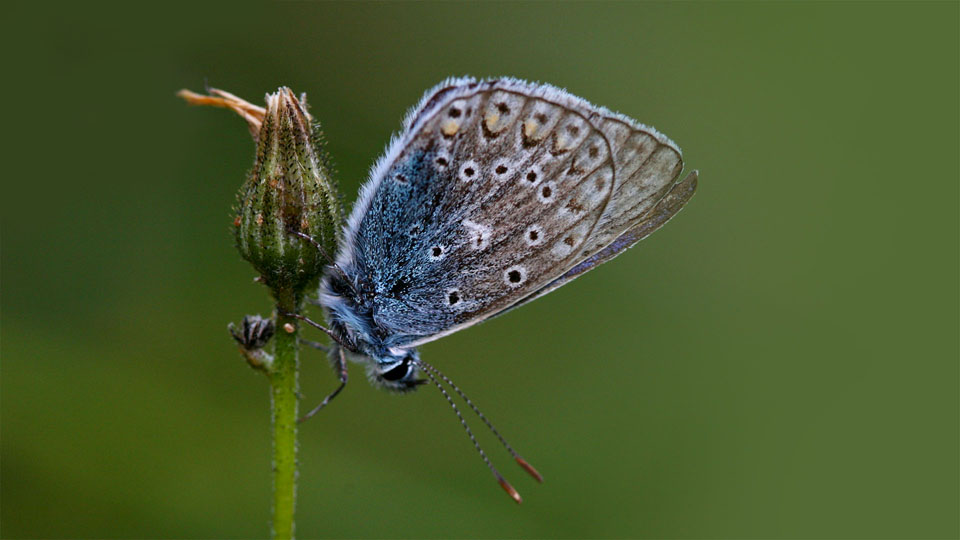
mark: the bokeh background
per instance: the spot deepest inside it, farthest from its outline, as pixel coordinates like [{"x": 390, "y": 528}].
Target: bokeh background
[{"x": 780, "y": 361}]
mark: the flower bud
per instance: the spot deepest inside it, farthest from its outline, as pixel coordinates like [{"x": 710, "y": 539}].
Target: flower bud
[{"x": 288, "y": 191}]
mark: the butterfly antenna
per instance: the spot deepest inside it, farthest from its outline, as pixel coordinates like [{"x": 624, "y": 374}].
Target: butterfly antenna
[
  {"x": 503, "y": 483},
  {"x": 517, "y": 457}
]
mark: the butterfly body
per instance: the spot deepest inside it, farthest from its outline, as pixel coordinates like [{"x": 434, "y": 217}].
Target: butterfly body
[{"x": 495, "y": 193}]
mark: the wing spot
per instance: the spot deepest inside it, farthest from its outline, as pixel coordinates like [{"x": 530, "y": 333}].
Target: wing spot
[
  {"x": 502, "y": 107},
  {"x": 487, "y": 126},
  {"x": 399, "y": 288},
  {"x": 453, "y": 297},
  {"x": 529, "y": 130},
  {"x": 442, "y": 161},
  {"x": 560, "y": 145},
  {"x": 436, "y": 253},
  {"x": 573, "y": 130},
  {"x": 500, "y": 168},
  {"x": 560, "y": 250},
  {"x": 594, "y": 151},
  {"x": 454, "y": 112},
  {"x": 575, "y": 206},
  {"x": 547, "y": 192},
  {"x": 515, "y": 276},
  {"x": 533, "y": 235},
  {"x": 401, "y": 179},
  {"x": 479, "y": 234},
  {"x": 568, "y": 241},
  {"x": 540, "y": 117},
  {"x": 468, "y": 171},
  {"x": 450, "y": 128}
]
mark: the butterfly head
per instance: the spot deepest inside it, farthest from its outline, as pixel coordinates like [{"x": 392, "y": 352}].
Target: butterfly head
[{"x": 398, "y": 371}]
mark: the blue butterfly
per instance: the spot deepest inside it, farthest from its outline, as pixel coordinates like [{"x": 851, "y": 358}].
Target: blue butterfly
[{"x": 496, "y": 192}]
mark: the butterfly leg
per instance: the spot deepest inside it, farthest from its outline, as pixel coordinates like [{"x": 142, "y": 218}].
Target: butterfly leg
[
  {"x": 336, "y": 337},
  {"x": 340, "y": 363},
  {"x": 323, "y": 252}
]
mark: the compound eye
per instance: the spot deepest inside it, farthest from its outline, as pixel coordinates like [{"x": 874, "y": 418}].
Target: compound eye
[{"x": 397, "y": 372}]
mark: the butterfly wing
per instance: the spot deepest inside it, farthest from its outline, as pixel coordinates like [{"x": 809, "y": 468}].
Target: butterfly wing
[
  {"x": 493, "y": 193},
  {"x": 667, "y": 207}
]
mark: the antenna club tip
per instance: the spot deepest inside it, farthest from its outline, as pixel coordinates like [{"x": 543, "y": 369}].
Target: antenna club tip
[
  {"x": 529, "y": 468},
  {"x": 510, "y": 491}
]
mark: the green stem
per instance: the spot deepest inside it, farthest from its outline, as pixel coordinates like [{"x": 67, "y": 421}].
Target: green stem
[{"x": 284, "y": 390}]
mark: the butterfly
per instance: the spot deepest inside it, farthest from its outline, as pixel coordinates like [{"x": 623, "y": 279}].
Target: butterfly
[{"x": 495, "y": 193}]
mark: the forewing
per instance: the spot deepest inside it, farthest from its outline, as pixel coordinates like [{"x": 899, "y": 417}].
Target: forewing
[{"x": 495, "y": 191}]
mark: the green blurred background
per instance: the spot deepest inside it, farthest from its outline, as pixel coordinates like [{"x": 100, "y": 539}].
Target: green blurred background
[{"x": 780, "y": 361}]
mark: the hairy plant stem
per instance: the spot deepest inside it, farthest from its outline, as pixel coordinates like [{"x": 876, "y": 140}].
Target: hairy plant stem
[{"x": 284, "y": 389}]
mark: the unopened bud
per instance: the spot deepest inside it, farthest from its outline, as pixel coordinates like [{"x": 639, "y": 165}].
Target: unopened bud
[{"x": 288, "y": 191}]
